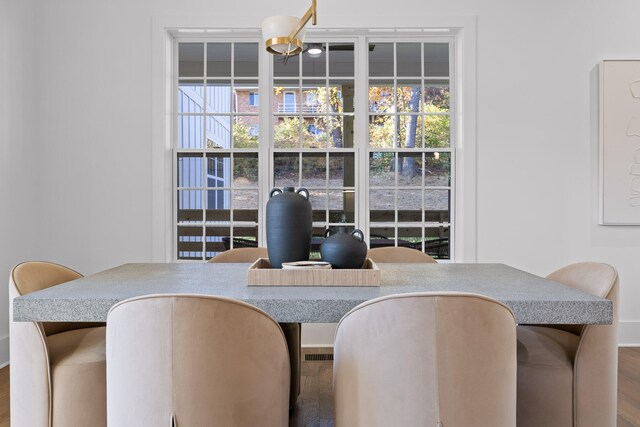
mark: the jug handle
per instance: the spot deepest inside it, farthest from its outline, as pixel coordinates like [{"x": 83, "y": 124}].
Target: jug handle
[
  {"x": 358, "y": 235},
  {"x": 274, "y": 192},
  {"x": 305, "y": 191},
  {"x": 328, "y": 232}
]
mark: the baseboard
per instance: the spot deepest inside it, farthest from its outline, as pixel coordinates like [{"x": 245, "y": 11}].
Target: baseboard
[
  {"x": 318, "y": 334},
  {"x": 629, "y": 334},
  {"x": 4, "y": 351}
]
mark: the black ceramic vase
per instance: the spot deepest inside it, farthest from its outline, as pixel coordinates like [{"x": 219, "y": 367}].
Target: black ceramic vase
[
  {"x": 344, "y": 249},
  {"x": 288, "y": 226}
]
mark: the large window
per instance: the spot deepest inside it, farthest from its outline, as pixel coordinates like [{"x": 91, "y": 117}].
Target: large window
[{"x": 381, "y": 161}]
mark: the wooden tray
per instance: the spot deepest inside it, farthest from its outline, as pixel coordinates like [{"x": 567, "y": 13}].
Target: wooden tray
[{"x": 261, "y": 274}]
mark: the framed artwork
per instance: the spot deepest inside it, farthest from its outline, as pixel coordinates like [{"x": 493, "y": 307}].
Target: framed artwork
[{"x": 619, "y": 154}]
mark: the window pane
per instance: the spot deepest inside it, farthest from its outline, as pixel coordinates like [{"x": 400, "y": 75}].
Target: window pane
[
  {"x": 286, "y": 132},
  {"x": 382, "y": 205},
  {"x": 436, "y": 131},
  {"x": 285, "y": 169},
  {"x": 314, "y": 97},
  {"x": 409, "y": 131},
  {"x": 380, "y": 59},
  {"x": 409, "y": 169},
  {"x": 218, "y": 170},
  {"x": 314, "y": 65},
  {"x": 190, "y": 243},
  {"x": 437, "y": 200},
  {"x": 410, "y": 206},
  {"x": 245, "y": 58},
  {"x": 191, "y": 96},
  {"x": 218, "y": 204},
  {"x": 341, "y": 170},
  {"x": 245, "y": 205},
  {"x": 341, "y": 59},
  {"x": 436, "y": 59},
  {"x": 218, "y": 59},
  {"x": 381, "y": 131},
  {"x": 437, "y": 242},
  {"x": 190, "y": 132},
  {"x": 314, "y": 132},
  {"x": 409, "y": 59},
  {"x": 382, "y": 236},
  {"x": 318, "y": 199},
  {"x": 245, "y": 237},
  {"x": 341, "y": 206},
  {"x": 218, "y": 132},
  {"x": 436, "y": 97},
  {"x": 245, "y": 96},
  {"x": 191, "y": 60},
  {"x": 290, "y": 69},
  {"x": 381, "y": 96},
  {"x": 438, "y": 169},
  {"x": 218, "y": 96},
  {"x": 410, "y": 237},
  {"x": 286, "y": 97},
  {"x": 190, "y": 169},
  {"x": 341, "y": 96},
  {"x": 246, "y": 130},
  {"x": 381, "y": 167},
  {"x": 340, "y": 131},
  {"x": 189, "y": 206},
  {"x": 217, "y": 240},
  {"x": 314, "y": 170},
  {"x": 408, "y": 96},
  {"x": 245, "y": 170}
]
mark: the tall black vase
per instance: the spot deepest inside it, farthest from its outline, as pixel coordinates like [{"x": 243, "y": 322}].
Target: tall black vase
[{"x": 288, "y": 226}]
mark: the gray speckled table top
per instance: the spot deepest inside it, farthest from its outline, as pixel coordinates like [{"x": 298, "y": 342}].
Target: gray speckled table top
[{"x": 533, "y": 299}]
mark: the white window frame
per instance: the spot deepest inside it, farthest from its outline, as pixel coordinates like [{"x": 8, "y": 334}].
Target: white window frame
[{"x": 462, "y": 27}]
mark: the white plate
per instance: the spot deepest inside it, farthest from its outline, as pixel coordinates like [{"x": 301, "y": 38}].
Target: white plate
[{"x": 306, "y": 265}]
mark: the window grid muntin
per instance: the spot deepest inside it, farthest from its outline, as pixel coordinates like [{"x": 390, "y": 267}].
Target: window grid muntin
[
  {"x": 422, "y": 150},
  {"x": 205, "y": 224},
  {"x": 327, "y": 149}
]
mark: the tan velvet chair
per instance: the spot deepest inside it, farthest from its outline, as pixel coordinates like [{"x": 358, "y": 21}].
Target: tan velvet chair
[
  {"x": 426, "y": 359},
  {"x": 241, "y": 255},
  {"x": 199, "y": 360},
  {"x": 292, "y": 331},
  {"x": 567, "y": 374},
  {"x": 398, "y": 254},
  {"x": 58, "y": 375}
]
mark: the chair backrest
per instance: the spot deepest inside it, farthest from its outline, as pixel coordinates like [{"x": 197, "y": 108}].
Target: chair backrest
[
  {"x": 398, "y": 254},
  {"x": 203, "y": 360},
  {"x": 593, "y": 277},
  {"x": 241, "y": 255},
  {"x": 32, "y": 276},
  {"x": 423, "y": 358}
]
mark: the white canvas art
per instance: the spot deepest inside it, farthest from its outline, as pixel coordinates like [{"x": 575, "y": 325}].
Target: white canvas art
[{"x": 620, "y": 142}]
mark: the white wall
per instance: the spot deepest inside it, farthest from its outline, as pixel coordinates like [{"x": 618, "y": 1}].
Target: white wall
[
  {"x": 18, "y": 161},
  {"x": 537, "y": 127}
]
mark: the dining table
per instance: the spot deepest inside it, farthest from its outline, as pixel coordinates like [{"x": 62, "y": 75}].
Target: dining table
[{"x": 533, "y": 299}]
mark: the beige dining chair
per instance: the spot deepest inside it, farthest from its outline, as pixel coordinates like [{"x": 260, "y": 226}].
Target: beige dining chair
[
  {"x": 398, "y": 254},
  {"x": 567, "y": 374},
  {"x": 194, "y": 360},
  {"x": 426, "y": 359},
  {"x": 58, "y": 375},
  {"x": 292, "y": 331}
]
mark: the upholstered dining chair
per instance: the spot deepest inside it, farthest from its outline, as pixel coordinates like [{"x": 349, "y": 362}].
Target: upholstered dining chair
[
  {"x": 567, "y": 374},
  {"x": 292, "y": 331},
  {"x": 398, "y": 254},
  {"x": 426, "y": 359},
  {"x": 58, "y": 375},
  {"x": 193, "y": 360}
]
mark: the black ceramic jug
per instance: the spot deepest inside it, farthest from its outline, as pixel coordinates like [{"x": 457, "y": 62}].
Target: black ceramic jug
[
  {"x": 288, "y": 226},
  {"x": 344, "y": 249}
]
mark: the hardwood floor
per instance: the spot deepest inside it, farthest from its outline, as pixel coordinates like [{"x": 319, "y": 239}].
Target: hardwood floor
[{"x": 315, "y": 405}]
